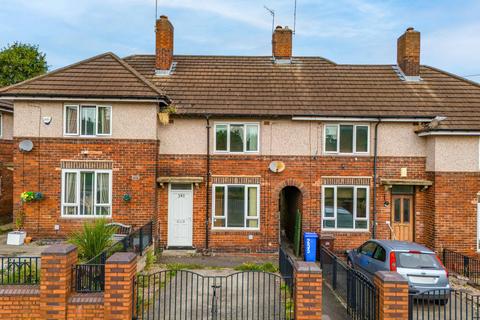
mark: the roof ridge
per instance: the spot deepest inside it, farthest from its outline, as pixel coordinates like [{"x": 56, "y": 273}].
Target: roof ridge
[
  {"x": 137, "y": 74},
  {"x": 54, "y": 71},
  {"x": 476, "y": 84}
]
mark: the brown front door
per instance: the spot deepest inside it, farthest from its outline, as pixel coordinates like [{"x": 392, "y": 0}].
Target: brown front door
[{"x": 402, "y": 217}]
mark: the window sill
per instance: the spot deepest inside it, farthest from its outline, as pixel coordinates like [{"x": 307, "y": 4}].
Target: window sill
[
  {"x": 239, "y": 231},
  {"x": 84, "y": 217},
  {"x": 345, "y": 230},
  {"x": 327, "y": 154}
]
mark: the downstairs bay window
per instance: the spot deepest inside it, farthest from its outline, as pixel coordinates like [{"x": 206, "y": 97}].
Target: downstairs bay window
[
  {"x": 86, "y": 193},
  {"x": 345, "y": 207},
  {"x": 236, "y": 207}
]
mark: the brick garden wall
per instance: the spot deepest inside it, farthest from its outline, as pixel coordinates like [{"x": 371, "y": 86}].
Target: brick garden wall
[
  {"x": 39, "y": 170},
  {"x": 19, "y": 302},
  {"x": 6, "y": 177}
]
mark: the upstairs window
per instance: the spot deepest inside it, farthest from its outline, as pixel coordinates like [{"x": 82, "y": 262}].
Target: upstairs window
[
  {"x": 87, "y": 120},
  {"x": 236, "y": 137},
  {"x": 346, "y": 138}
]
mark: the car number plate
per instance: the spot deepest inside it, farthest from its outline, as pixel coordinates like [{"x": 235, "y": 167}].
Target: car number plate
[{"x": 422, "y": 280}]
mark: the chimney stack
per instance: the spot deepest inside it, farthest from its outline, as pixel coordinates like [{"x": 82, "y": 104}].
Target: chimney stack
[
  {"x": 408, "y": 53},
  {"x": 282, "y": 43},
  {"x": 164, "y": 46}
]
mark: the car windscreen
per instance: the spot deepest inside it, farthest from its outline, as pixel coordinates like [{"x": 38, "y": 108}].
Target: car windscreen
[{"x": 417, "y": 261}]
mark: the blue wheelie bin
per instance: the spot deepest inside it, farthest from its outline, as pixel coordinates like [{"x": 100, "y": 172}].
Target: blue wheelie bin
[{"x": 310, "y": 246}]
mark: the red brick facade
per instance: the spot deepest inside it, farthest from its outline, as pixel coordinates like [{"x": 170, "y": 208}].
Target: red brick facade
[
  {"x": 40, "y": 170},
  {"x": 306, "y": 174},
  {"x": 6, "y": 180},
  {"x": 450, "y": 204}
]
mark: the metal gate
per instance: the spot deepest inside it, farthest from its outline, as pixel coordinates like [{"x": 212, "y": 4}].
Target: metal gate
[{"x": 183, "y": 294}]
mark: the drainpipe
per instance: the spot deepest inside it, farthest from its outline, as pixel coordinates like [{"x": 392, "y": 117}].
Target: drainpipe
[
  {"x": 375, "y": 151},
  {"x": 207, "y": 182}
]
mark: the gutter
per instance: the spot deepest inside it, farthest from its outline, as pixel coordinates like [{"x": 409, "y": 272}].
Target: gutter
[
  {"x": 366, "y": 119},
  {"x": 449, "y": 133},
  {"x": 88, "y": 98}
]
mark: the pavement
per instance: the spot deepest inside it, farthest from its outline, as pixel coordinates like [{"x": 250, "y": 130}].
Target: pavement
[{"x": 33, "y": 249}]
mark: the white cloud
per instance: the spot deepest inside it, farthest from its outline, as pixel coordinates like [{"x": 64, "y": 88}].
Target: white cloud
[{"x": 455, "y": 47}]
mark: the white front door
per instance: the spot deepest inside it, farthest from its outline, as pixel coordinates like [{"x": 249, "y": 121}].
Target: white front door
[{"x": 180, "y": 211}]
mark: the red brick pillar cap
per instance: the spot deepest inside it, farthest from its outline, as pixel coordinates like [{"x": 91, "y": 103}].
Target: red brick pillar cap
[
  {"x": 390, "y": 277},
  {"x": 307, "y": 267},
  {"x": 122, "y": 258},
  {"x": 59, "y": 250}
]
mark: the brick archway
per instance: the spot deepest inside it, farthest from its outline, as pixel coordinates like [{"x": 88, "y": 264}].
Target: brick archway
[
  {"x": 289, "y": 195},
  {"x": 290, "y": 183}
]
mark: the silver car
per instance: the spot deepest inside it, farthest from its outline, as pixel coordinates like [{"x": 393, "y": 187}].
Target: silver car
[{"x": 416, "y": 263}]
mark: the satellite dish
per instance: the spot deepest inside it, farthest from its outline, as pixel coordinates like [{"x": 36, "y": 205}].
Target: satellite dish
[
  {"x": 26, "y": 145},
  {"x": 276, "y": 166}
]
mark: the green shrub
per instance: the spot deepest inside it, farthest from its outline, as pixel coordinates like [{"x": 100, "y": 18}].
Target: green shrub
[
  {"x": 24, "y": 274},
  {"x": 92, "y": 239},
  {"x": 150, "y": 260}
]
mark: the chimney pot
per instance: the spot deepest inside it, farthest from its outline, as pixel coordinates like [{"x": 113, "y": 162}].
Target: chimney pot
[
  {"x": 408, "y": 52},
  {"x": 282, "y": 43},
  {"x": 164, "y": 45}
]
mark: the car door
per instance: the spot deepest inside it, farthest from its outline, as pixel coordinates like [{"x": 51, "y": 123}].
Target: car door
[
  {"x": 378, "y": 261},
  {"x": 365, "y": 258}
]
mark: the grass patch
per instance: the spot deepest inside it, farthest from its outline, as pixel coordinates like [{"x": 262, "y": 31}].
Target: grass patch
[
  {"x": 265, "y": 267},
  {"x": 184, "y": 266}
]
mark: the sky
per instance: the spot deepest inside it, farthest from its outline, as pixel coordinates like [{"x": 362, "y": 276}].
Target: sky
[{"x": 344, "y": 31}]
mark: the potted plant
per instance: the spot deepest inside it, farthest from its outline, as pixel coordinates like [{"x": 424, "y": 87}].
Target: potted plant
[
  {"x": 164, "y": 115},
  {"x": 17, "y": 237}
]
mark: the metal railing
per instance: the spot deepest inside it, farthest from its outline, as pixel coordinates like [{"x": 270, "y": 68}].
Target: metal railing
[
  {"x": 286, "y": 267},
  {"x": 351, "y": 286},
  {"x": 19, "y": 270},
  {"x": 90, "y": 276},
  {"x": 443, "y": 305},
  {"x": 463, "y": 265},
  {"x": 183, "y": 294}
]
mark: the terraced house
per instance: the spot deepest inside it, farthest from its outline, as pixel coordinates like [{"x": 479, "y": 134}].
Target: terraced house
[{"x": 223, "y": 151}]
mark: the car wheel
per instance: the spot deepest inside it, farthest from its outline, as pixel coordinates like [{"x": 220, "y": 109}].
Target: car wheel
[{"x": 443, "y": 302}]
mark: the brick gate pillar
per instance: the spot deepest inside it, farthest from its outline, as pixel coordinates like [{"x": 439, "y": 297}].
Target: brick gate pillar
[
  {"x": 119, "y": 293},
  {"x": 56, "y": 280},
  {"x": 392, "y": 291},
  {"x": 308, "y": 291}
]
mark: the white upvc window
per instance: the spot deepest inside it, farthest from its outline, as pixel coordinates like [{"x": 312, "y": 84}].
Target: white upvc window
[
  {"x": 346, "y": 138},
  {"x": 87, "y": 120},
  {"x": 236, "y": 206},
  {"x": 237, "y": 137},
  {"x": 345, "y": 208},
  {"x": 86, "y": 193}
]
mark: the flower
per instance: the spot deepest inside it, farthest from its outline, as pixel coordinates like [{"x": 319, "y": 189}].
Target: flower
[{"x": 27, "y": 196}]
